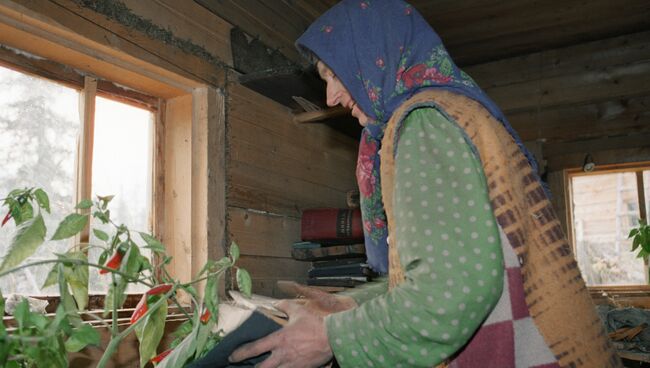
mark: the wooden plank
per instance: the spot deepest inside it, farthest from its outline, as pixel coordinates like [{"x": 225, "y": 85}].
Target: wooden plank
[
  {"x": 252, "y": 187},
  {"x": 158, "y": 187},
  {"x": 616, "y": 81},
  {"x": 267, "y": 271},
  {"x": 319, "y": 115},
  {"x": 601, "y": 157},
  {"x": 208, "y": 185},
  {"x": 263, "y": 234},
  {"x": 85, "y": 149},
  {"x": 592, "y": 120},
  {"x": 562, "y": 61},
  {"x": 521, "y": 27},
  {"x": 335, "y": 174},
  {"x": 189, "y": 21},
  {"x": 178, "y": 190},
  {"x": 198, "y": 67},
  {"x": 83, "y": 45}
]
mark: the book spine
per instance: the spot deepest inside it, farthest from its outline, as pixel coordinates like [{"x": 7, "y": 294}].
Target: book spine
[{"x": 331, "y": 224}]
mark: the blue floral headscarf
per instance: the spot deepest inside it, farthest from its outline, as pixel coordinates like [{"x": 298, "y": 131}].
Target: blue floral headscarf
[{"x": 384, "y": 52}]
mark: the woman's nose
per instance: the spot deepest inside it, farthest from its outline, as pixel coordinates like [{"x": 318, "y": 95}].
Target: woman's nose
[{"x": 333, "y": 96}]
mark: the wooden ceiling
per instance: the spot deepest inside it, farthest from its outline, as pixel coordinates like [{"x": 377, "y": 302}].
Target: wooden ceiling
[{"x": 474, "y": 31}]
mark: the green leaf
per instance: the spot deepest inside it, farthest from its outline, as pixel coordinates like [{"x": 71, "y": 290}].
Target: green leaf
[
  {"x": 633, "y": 232},
  {"x": 81, "y": 337},
  {"x": 181, "y": 353},
  {"x": 22, "y": 213},
  {"x": 103, "y": 217},
  {"x": 636, "y": 242},
  {"x": 21, "y": 314},
  {"x": 29, "y": 236},
  {"x": 202, "y": 338},
  {"x": 149, "y": 333},
  {"x": 77, "y": 276},
  {"x": 52, "y": 276},
  {"x": 70, "y": 226},
  {"x": 153, "y": 243},
  {"x": 2, "y": 313},
  {"x": 42, "y": 199},
  {"x": 84, "y": 204},
  {"x": 100, "y": 234},
  {"x": 234, "y": 252},
  {"x": 66, "y": 300},
  {"x": 211, "y": 293},
  {"x": 244, "y": 282}
]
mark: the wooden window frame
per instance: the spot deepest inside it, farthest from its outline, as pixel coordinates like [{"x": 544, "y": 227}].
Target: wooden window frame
[
  {"x": 189, "y": 140},
  {"x": 625, "y": 295}
]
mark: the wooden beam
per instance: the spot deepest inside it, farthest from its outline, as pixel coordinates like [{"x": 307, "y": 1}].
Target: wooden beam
[
  {"x": 315, "y": 116},
  {"x": 85, "y": 148}
]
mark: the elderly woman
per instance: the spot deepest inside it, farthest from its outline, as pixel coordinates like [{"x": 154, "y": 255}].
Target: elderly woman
[{"x": 480, "y": 273}]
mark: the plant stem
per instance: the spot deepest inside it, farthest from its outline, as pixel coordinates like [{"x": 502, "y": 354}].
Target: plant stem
[
  {"x": 115, "y": 341},
  {"x": 114, "y": 326}
]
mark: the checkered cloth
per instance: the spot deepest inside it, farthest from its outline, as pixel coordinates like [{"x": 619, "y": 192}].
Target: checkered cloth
[{"x": 508, "y": 337}]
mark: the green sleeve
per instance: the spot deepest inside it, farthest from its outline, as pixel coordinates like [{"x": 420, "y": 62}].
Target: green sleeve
[{"x": 449, "y": 248}]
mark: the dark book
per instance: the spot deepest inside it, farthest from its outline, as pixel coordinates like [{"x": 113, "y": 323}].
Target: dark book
[
  {"x": 331, "y": 252},
  {"x": 338, "y": 262},
  {"x": 354, "y": 269},
  {"x": 332, "y": 225},
  {"x": 353, "y": 199}
]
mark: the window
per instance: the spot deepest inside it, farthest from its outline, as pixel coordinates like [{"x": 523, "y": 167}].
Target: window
[
  {"x": 605, "y": 206},
  {"x": 40, "y": 127}
]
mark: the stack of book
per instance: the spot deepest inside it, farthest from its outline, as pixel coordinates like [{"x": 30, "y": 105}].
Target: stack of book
[{"x": 332, "y": 239}]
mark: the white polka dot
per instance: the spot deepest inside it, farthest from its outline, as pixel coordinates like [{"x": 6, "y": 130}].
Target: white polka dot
[
  {"x": 450, "y": 282},
  {"x": 415, "y": 319},
  {"x": 481, "y": 283},
  {"x": 470, "y": 203},
  {"x": 466, "y": 290},
  {"x": 433, "y": 274},
  {"x": 442, "y": 223},
  {"x": 448, "y": 140},
  {"x": 495, "y": 272},
  {"x": 450, "y": 153},
  {"x": 409, "y": 199},
  {"x": 454, "y": 184},
  {"x": 445, "y": 336},
  {"x": 408, "y": 142},
  {"x": 423, "y": 161},
  {"x": 404, "y": 347},
  {"x": 432, "y": 136},
  {"x": 467, "y": 170},
  {"x": 493, "y": 255},
  {"x": 448, "y": 265},
  {"x": 439, "y": 194},
  {"x": 456, "y": 215},
  {"x": 424, "y": 188},
  {"x": 441, "y": 209},
  {"x": 472, "y": 219},
  {"x": 424, "y": 204},
  {"x": 445, "y": 253},
  {"x": 425, "y": 216},
  {"x": 427, "y": 232},
  {"x": 469, "y": 186},
  {"x": 338, "y": 341},
  {"x": 421, "y": 134},
  {"x": 424, "y": 351},
  {"x": 461, "y": 306},
  {"x": 490, "y": 239},
  {"x": 461, "y": 140},
  {"x": 474, "y": 235},
  {"x": 407, "y": 170},
  {"x": 454, "y": 322},
  {"x": 480, "y": 299},
  {"x": 410, "y": 214},
  {"x": 407, "y": 156},
  {"x": 408, "y": 184},
  {"x": 465, "y": 155},
  {"x": 423, "y": 174},
  {"x": 447, "y": 295},
  {"x": 444, "y": 237},
  {"x": 455, "y": 200},
  {"x": 462, "y": 259},
  {"x": 441, "y": 311},
  {"x": 413, "y": 229},
  {"x": 486, "y": 207},
  {"x": 457, "y": 230},
  {"x": 438, "y": 181},
  {"x": 423, "y": 148},
  {"x": 465, "y": 331},
  {"x": 431, "y": 260},
  {"x": 477, "y": 250},
  {"x": 488, "y": 223},
  {"x": 452, "y": 168},
  {"x": 407, "y": 304}
]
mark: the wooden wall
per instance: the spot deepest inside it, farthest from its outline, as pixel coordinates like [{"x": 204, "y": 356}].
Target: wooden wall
[{"x": 275, "y": 169}]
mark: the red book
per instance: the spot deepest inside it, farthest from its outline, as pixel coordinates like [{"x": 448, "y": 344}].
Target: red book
[{"x": 332, "y": 225}]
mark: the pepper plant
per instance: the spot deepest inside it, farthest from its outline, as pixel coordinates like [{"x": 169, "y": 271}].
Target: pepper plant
[{"x": 39, "y": 338}]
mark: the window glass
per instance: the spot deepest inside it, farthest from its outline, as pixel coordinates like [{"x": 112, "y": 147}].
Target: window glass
[
  {"x": 605, "y": 208},
  {"x": 39, "y": 125},
  {"x": 122, "y": 167}
]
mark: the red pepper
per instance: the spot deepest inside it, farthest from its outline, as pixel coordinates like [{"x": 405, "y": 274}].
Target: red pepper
[
  {"x": 205, "y": 317},
  {"x": 114, "y": 262},
  {"x": 158, "y": 358},
  {"x": 148, "y": 297},
  {"x": 6, "y": 219},
  {"x": 140, "y": 309},
  {"x": 160, "y": 289}
]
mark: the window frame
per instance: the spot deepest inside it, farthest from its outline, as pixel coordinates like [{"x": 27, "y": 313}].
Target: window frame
[
  {"x": 637, "y": 295},
  {"x": 89, "y": 89},
  {"x": 190, "y": 182}
]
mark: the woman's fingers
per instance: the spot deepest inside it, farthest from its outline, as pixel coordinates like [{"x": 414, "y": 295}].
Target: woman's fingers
[{"x": 256, "y": 348}]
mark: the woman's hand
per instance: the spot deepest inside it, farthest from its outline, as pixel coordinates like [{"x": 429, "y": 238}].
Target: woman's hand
[{"x": 301, "y": 343}]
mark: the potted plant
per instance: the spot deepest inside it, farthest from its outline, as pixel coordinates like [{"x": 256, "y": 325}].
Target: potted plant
[{"x": 37, "y": 338}]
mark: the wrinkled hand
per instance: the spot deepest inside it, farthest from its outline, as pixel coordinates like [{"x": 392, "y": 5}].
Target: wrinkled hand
[{"x": 301, "y": 343}]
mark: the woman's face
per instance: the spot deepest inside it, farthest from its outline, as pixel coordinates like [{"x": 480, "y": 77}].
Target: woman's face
[{"x": 338, "y": 95}]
